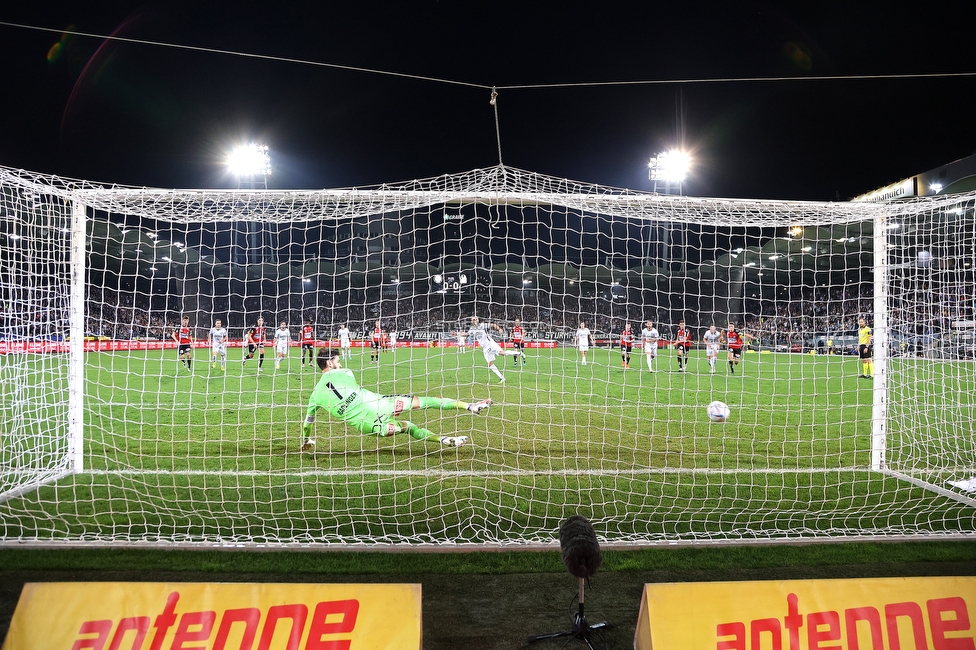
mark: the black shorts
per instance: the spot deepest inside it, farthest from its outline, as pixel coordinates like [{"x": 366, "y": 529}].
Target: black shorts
[
  {"x": 308, "y": 346},
  {"x": 865, "y": 351},
  {"x": 683, "y": 347},
  {"x": 626, "y": 347},
  {"x": 735, "y": 352},
  {"x": 519, "y": 345},
  {"x": 251, "y": 349},
  {"x": 261, "y": 348},
  {"x": 375, "y": 345},
  {"x": 185, "y": 349}
]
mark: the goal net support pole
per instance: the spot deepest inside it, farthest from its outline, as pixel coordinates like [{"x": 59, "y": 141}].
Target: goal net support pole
[
  {"x": 76, "y": 363},
  {"x": 879, "y": 410}
]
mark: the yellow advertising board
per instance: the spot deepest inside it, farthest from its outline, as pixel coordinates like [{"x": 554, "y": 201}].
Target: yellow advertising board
[
  {"x": 201, "y": 616},
  {"x": 858, "y": 614}
]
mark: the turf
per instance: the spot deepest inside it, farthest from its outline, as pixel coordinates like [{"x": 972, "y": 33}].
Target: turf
[{"x": 213, "y": 456}]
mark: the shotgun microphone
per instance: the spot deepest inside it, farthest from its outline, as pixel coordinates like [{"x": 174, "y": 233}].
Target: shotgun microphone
[{"x": 581, "y": 551}]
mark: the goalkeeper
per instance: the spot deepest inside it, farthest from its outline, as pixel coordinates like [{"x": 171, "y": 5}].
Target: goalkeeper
[{"x": 339, "y": 393}]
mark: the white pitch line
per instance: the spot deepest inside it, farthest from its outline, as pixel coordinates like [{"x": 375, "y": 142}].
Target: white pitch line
[
  {"x": 480, "y": 473},
  {"x": 495, "y": 405}
]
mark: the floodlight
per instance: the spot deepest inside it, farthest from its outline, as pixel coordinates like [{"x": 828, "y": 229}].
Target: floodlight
[
  {"x": 438, "y": 278},
  {"x": 807, "y": 249},
  {"x": 165, "y": 259},
  {"x": 796, "y": 231},
  {"x": 670, "y": 166},
  {"x": 936, "y": 187},
  {"x": 249, "y": 160}
]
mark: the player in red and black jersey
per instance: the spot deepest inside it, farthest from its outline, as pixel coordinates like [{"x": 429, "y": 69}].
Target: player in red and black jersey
[
  {"x": 183, "y": 336},
  {"x": 257, "y": 339},
  {"x": 376, "y": 344},
  {"x": 308, "y": 343},
  {"x": 736, "y": 341},
  {"x": 626, "y": 345},
  {"x": 682, "y": 343},
  {"x": 518, "y": 341}
]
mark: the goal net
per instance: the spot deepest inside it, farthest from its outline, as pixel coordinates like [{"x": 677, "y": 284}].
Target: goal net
[{"x": 124, "y": 423}]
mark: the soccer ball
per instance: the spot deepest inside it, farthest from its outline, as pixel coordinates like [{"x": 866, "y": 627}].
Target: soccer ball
[{"x": 718, "y": 411}]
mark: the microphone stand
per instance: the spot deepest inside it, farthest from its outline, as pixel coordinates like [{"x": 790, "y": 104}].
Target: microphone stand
[{"x": 581, "y": 628}]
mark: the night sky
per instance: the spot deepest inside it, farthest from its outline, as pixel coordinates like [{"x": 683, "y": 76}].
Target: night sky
[{"x": 150, "y": 115}]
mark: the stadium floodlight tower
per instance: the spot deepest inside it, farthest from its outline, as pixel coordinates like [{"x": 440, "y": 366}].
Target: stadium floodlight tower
[
  {"x": 251, "y": 164},
  {"x": 668, "y": 171}
]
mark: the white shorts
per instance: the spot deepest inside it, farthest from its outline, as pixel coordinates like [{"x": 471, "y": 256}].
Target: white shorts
[
  {"x": 650, "y": 349},
  {"x": 218, "y": 350},
  {"x": 281, "y": 348},
  {"x": 345, "y": 344},
  {"x": 491, "y": 351},
  {"x": 712, "y": 350},
  {"x": 584, "y": 348}
]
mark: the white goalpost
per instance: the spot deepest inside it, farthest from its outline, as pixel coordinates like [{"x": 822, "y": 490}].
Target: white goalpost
[{"x": 120, "y": 425}]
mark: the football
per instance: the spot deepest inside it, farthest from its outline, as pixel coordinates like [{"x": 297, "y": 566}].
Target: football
[{"x": 718, "y": 411}]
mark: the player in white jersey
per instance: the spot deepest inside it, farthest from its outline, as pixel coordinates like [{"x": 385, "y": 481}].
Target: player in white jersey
[
  {"x": 649, "y": 337},
  {"x": 489, "y": 347},
  {"x": 217, "y": 337},
  {"x": 282, "y": 339},
  {"x": 393, "y": 339},
  {"x": 345, "y": 342},
  {"x": 583, "y": 340},
  {"x": 462, "y": 341},
  {"x": 712, "y": 340}
]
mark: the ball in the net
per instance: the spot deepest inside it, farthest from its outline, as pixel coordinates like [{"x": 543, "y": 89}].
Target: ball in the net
[{"x": 718, "y": 411}]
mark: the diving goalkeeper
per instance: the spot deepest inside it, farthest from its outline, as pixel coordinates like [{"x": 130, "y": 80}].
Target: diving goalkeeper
[{"x": 339, "y": 393}]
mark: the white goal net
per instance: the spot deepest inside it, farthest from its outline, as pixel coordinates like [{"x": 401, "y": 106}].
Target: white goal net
[{"x": 130, "y": 415}]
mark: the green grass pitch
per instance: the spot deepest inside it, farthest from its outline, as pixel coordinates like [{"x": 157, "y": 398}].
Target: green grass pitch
[{"x": 214, "y": 457}]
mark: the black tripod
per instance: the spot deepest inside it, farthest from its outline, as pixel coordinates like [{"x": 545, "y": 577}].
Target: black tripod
[{"x": 581, "y": 628}]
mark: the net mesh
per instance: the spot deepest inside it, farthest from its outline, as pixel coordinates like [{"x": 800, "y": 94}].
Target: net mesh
[{"x": 205, "y": 447}]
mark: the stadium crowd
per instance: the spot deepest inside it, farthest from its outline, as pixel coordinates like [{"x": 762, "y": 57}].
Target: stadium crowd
[{"x": 817, "y": 312}]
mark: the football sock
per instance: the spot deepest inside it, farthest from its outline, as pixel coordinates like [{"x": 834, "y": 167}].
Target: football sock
[
  {"x": 188, "y": 366},
  {"x": 497, "y": 372},
  {"x": 442, "y": 403},
  {"x": 260, "y": 361},
  {"x": 417, "y": 433}
]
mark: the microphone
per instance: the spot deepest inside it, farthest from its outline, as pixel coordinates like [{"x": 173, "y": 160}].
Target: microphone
[{"x": 580, "y": 549}]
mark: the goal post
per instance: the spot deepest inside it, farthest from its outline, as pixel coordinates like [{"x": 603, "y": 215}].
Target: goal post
[
  {"x": 122, "y": 425},
  {"x": 76, "y": 339}
]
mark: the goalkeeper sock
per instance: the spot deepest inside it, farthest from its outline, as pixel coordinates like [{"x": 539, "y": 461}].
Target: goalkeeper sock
[
  {"x": 417, "y": 433},
  {"x": 442, "y": 403}
]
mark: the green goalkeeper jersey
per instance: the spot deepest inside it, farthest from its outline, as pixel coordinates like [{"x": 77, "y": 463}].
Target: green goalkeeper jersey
[{"x": 339, "y": 393}]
